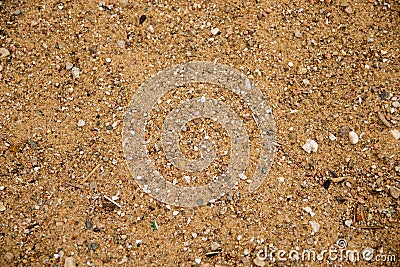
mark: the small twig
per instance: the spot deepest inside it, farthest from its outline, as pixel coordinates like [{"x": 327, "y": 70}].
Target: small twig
[
  {"x": 76, "y": 185},
  {"x": 112, "y": 201},
  {"x": 371, "y": 227},
  {"x": 339, "y": 179},
  {"x": 384, "y": 120},
  {"x": 90, "y": 174}
]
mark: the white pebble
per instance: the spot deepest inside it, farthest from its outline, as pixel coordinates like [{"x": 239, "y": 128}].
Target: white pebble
[
  {"x": 315, "y": 227},
  {"x": 353, "y": 138},
  {"x": 81, "y": 123},
  {"x": 310, "y": 146},
  {"x": 332, "y": 137},
  {"x": 198, "y": 260},
  {"x": 214, "y": 31},
  {"x": 290, "y": 64},
  {"x": 396, "y": 134},
  {"x": 108, "y": 60},
  {"x": 75, "y": 72},
  {"x": 348, "y": 222},
  {"x": 309, "y": 210}
]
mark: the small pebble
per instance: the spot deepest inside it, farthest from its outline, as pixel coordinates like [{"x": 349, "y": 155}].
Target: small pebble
[
  {"x": 214, "y": 246},
  {"x": 298, "y": 34},
  {"x": 9, "y": 257},
  {"x": 348, "y": 222},
  {"x": 17, "y": 12},
  {"x": 396, "y": 134},
  {"x": 108, "y": 60},
  {"x": 150, "y": 28},
  {"x": 348, "y": 10},
  {"x": 69, "y": 262},
  {"x": 332, "y": 137},
  {"x": 81, "y": 123},
  {"x": 396, "y": 104},
  {"x": 394, "y": 192},
  {"x": 75, "y": 72},
  {"x": 215, "y": 31},
  {"x": 4, "y": 52},
  {"x": 198, "y": 260},
  {"x": 315, "y": 227},
  {"x": 384, "y": 95},
  {"x": 121, "y": 43},
  {"x": 309, "y": 210},
  {"x": 310, "y": 146},
  {"x": 142, "y": 19},
  {"x": 353, "y": 137},
  {"x": 69, "y": 65}
]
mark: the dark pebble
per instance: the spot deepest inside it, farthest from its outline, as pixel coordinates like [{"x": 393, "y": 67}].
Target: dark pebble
[
  {"x": 88, "y": 225},
  {"x": 334, "y": 175},
  {"x": 109, "y": 127},
  {"x": 92, "y": 246},
  {"x": 345, "y": 130},
  {"x": 142, "y": 19},
  {"x": 384, "y": 95},
  {"x": 340, "y": 199},
  {"x": 327, "y": 183}
]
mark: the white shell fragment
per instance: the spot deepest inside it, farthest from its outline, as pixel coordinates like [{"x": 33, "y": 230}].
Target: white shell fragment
[
  {"x": 81, "y": 123},
  {"x": 315, "y": 227},
  {"x": 309, "y": 210},
  {"x": 353, "y": 138},
  {"x": 214, "y": 31},
  {"x": 310, "y": 146},
  {"x": 396, "y": 134}
]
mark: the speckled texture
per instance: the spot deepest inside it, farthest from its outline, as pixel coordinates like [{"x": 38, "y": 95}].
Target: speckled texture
[{"x": 325, "y": 68}]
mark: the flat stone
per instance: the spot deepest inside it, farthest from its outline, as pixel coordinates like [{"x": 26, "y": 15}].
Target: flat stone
[
  {"x": 214, "y": 246},
  {"x": 348, "y": 10},
  {"x": 315, "y": 227},
  {"x": 298, "y": 34},
  {"x": 4, "y": 52},
  {"x": 394, "y": 192},
  {"x": 9, "y": 257},
  {"x": 75, "y": 72},
  {"x": 396, "y": 134},
  {"x": 310, "y": 146},
  {"x": 353, "y": 137},
  {"x": 81, "y": 123},
  {"x": 69, "y": 65},
  {"x": 69, "y": 262},
  {"x": 214, "y": 31}
]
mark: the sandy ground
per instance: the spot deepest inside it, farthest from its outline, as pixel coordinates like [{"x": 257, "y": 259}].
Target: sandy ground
[{"x": 68, "y": 70}]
